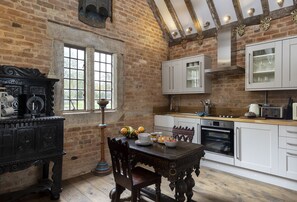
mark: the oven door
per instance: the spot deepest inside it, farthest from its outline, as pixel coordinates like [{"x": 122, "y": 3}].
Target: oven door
[{"x": 218, "y": 140}]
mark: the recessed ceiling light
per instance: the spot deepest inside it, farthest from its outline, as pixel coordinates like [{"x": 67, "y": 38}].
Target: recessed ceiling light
[
  {"x": 280, "y": 3},
  {"x": 189, "y": 30},
  {"x": 174, "y": 34},
  {"x": 251, "y": 11},
  {"x": 227, "y": 18}
]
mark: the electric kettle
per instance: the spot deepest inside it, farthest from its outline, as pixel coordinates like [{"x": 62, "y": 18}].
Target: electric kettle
[{"x": 255, "y": 109}]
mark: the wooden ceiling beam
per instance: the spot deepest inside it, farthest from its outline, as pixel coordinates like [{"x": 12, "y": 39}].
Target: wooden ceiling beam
[
  {"x": 160, "y": 20},
  {"x": 193, "y": 16},
  {"x": 214, "y": 13},
  {"x": 265, "y": 7},
  {"x": 236, "y": 5},
  {"x": 175, "y": 18}
]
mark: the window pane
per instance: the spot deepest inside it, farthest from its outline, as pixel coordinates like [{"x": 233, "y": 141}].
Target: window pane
[
  {"x": 108, "y": 77},
  {"x": 81, "y": 74},
  {"x": 66, "y": 52},
  {"x": 81, "y": 54},
  {"x": 102, "y": 76},
  {"x": 74, "y": 64},
  {"x": 73, "y": 94},
  {"x": 96, "y": 95},
  {"x": 96, "y": 56},
  {"x": 108, "y": 86},
  {"x": 108, "y": 58},
  {"x": 81, "y": 64},
  {"x": 66, "y": 73},
  {"x": 66, "y": 105},
  {"x": 108, "y": 95},
  {"x": 97, "y": 87},
  {"x": 66, "y": 83},
  {"x": 66, "y": 94},
  {"x": 66, "y": 62},
  {"x": 96, "y": 106},
  {"x": 80, "y": 94},
  {"x": 96, "y": 66},
  {"x": 96, "y": 76},
  {"x": 103, "y": 67},
  {"x": 80, "y": 85},
  {"x": 102, "y": 86},
  {"x": 102, "y": 94},
  {"x": 108, "y": 68},
  {"x": 102, "y": 57},
  {"x": 81, "y": 104},
  {"x": 73, "y": 74},
  {"x": 73, "y": 84},
  {"x": 73, "y": 53}
]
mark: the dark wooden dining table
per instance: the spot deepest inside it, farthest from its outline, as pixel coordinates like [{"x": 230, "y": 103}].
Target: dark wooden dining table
[{"x": 176, "y": 164}]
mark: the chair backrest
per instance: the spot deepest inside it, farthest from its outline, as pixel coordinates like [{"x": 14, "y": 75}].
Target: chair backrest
[
  {"x": 121, "y": 162},
  {"x": 183, "y": 134}
]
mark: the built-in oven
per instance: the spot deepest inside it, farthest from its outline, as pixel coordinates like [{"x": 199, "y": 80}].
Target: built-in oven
[{"x": 218, "y": 138}]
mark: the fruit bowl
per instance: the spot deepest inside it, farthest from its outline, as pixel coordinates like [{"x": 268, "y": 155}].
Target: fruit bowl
[{"x": 170, "y": 144}]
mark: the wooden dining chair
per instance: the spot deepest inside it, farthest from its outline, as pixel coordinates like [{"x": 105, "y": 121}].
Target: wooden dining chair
[
  {"x": 128, "y": 177},
  {"x": 183, "y": 134}
]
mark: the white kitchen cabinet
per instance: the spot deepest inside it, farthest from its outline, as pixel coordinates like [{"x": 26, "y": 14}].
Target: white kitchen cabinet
[
  {"x": 263, "y": 66},
  {"x": 256, "y": 147},
  {"x": 290, "y": 63},
  {"x": 271, "y": 65},
  {"x": 190, "y": 123},
  {"x": 186, "y": 75},
  {"x": 171, "y": 82},
  {"x": 288, "y": 152}
]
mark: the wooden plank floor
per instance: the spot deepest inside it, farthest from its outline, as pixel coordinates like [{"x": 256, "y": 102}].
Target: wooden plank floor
[{"x": 211, "y": 185}]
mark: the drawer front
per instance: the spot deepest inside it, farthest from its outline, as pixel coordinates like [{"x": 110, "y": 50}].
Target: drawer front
[
  {"x": 25, "y": 141},
  {"x": 288, "y": 163},
  {"x": 6, "y": 143},
  {"x": 288, "y": 143},
  {"x": 48, "y": 138},
  {"x": 288, "y": 131}
]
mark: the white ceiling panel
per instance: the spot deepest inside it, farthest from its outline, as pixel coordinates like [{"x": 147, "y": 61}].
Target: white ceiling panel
[
  {"x": 247, "y": 4},
  {"x": 225, "y": 8},
  {"x": 183, "y": 15},
  {"x": 274, "y": 6},
  {"x": 203, "y": 13},
  {"x": 166, "y": 16}
]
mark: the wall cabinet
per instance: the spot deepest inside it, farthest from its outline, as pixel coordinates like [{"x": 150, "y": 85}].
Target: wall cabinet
[
  {"x": 271, "y": 65},
  {"x": 186, "y": 75},
  {"x": 256, "y": 147},
  {"x": 288, "y": 152},
  {"x": 190, "y": 123}
]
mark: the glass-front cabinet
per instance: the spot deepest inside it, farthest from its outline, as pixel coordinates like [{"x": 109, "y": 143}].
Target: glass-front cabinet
[
  {"x": 264, "y": 66},
  {"x": 186, "y": 75}
]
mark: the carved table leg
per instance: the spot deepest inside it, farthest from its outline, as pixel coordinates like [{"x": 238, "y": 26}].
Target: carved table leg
[
  {"x": 57, "y": 178},
  {"x": 180, "y": 190},
  {"x": 190, "y": 184}
]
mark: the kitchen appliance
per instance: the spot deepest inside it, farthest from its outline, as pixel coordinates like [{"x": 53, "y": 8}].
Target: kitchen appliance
[
  {"x": 218, "y": 138},
  {"x": 272, "y": 112},
  {"x": 294, "y": 108},
  {"x": 255, "y": 109}
]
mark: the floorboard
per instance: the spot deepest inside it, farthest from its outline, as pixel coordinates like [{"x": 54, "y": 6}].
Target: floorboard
[{"x": 211, "y": 185}]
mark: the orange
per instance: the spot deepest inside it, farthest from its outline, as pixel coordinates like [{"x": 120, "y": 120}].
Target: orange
[
  {"x": 124, "y": 131},
  {"x": 140, "y": 129}
]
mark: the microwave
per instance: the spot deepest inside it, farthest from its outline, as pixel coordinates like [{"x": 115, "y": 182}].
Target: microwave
[
  {"x": 272, "y": 112},
  {"x": 294, "y": 106}
]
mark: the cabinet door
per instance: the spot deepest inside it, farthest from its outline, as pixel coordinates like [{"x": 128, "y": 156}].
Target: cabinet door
[
  {"x": 288, "y": 163},
  {"x": 171, "y": 77},
  {"x": 264, "y": 66},
  {"x": 192, "y": 75},
  {"x": 256, "y": 147},
  {"x": 6, "y": 143},
  {"x": 290, "y": 63},
  {"x": 190, "y": 123}
]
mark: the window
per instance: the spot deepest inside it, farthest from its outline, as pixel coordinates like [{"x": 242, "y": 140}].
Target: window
[
  {"x": 103, "y": 78},
  {"x": 85, "y": 85},
  {"x": 74, "y": 78}
]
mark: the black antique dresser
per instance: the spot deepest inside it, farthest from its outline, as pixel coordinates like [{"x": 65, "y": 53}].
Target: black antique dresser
[{"x": 31, "y": 134}]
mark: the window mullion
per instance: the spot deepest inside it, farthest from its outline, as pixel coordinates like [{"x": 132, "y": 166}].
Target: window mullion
[{"x": 90, "y": 78}]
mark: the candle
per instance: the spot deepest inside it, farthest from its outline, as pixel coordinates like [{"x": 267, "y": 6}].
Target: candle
[{"x": 33, "y": 106}]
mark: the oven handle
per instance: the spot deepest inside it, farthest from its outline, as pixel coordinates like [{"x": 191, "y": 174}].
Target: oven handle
[
  {"x": 237, "y": 143},
  {"x": 216, "y": 130}
]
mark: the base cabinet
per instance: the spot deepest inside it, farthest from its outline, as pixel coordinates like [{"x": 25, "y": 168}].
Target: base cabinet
[
  {"x": 190, "y": 123},
  {"x": 256, "y": 147},
  {"x": 288, "y": 152}
]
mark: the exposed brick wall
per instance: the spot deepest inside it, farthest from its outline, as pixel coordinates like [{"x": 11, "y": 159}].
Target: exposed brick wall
[
  {"x": 25, "y": 43},
  {"x": 229, "y": 88}
]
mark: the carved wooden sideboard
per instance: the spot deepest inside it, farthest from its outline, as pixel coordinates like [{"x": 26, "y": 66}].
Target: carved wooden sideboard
[{"x": 32, "y": 135}]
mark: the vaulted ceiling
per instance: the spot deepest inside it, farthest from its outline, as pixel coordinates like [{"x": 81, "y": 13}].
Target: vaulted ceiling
[{"x": 182, "y": 20}]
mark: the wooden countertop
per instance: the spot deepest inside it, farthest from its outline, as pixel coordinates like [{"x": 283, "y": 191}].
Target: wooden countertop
[{"x": 240, "y": 119}]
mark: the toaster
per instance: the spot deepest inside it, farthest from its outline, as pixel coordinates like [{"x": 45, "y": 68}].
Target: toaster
[{"x": 272, "y": 112}]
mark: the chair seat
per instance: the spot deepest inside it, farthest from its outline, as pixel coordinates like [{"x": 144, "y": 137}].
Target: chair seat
[{"x": 143, "y": 177}]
